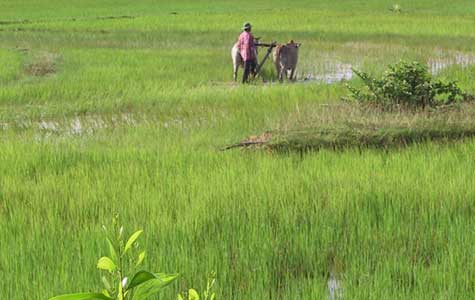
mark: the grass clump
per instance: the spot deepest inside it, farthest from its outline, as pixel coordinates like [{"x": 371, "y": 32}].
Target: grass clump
[
  {"x": 407, "y": 84},
  {"x": 349, "y": 125},
  {"x": 384, "y": 137}
]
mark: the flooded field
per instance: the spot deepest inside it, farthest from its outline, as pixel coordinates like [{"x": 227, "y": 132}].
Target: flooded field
[
  {"x": 122, "y": 107},
  {"x": 333, "y": 71}
]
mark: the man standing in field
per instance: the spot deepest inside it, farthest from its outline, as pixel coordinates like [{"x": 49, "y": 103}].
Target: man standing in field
[{"x": 247, "y": 48}]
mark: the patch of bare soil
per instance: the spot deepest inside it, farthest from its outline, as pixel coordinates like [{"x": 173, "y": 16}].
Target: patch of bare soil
[
  {"x": 115, "y": 17},
  {"x": 252, "y": 141},
  {"x": 14, "y": 22},
  {"x": 42, "y": 65}
]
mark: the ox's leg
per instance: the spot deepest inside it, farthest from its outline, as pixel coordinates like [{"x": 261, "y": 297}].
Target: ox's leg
[
  {"x": 291, "y": 77},
  {"x": 235, "y": 71},
  {"x": 281, "y": 73}
]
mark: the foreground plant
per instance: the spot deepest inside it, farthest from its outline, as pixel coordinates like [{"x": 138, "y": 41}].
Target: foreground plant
[
  {"x": 405, "y": 84},
  {"x": 207, "y": 294},
  {"x": 122, "y": 279}
]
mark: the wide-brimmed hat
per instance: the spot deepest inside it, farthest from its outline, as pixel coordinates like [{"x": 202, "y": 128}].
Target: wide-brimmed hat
[{"x": 246, "y": 25}]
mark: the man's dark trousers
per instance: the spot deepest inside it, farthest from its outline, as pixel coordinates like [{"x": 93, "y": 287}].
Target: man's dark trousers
[{"x": 249, "y": 66}]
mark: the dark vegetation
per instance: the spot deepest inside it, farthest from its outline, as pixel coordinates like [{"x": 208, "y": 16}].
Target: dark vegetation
[{"x": 406, "y": 84}]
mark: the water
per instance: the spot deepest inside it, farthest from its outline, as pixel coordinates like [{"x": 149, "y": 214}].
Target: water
[
  {"x": 90, "y": 124},
  {"x": 77, "y": 125},
  {"x": 334, "y": 288},
  {"x": 332, "y": 72},
  {"x": 438, "y": 64}
]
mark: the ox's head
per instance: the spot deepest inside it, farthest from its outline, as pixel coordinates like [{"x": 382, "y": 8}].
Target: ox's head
[{"x": 292, "y": 44}]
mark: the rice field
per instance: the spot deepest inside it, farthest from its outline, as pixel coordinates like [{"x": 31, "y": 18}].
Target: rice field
[{"x": 120, "y": 107}]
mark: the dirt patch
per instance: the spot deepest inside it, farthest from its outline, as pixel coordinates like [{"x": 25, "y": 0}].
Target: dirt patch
[
  {"x": 42, "y": 65},
  {"x": 15, "y": 22},
  {"x": 252, "y": 141},
  {"x": 115, "y": 17}
]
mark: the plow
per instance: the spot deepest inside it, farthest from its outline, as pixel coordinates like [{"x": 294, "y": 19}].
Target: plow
[{"x": 269, "y": 51}]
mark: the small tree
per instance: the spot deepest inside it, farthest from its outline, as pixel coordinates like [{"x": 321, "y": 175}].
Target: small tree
[{"x": 405, "y": 84}]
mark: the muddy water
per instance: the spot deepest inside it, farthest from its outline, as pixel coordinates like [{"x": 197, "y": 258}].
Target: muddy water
[
  {"x": 334, "y": 71},
  {"x": 79, "y": 125},
  {"x": 331, "y": 72},
  {"x": 463, "y": 60},
  {"x": 334, "y": 289}
]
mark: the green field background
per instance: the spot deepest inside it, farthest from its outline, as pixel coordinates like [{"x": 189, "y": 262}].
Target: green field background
[{"x": 131, "y": 121}]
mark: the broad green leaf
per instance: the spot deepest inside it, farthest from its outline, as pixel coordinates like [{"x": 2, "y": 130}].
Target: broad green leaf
[
  {"x": 153, "y": 286},
  {"x": 193, "y": 295},
  {"x": 140, "y": 258},
  {"x": 132, "y": 240},
  {"x": 106, "y": 292},
  {"x": 139, "y": 278},
  {"x": 179, "y": 297},
  {"x": 112, "y": 251},
  {"x": 82, "y": 296},
  {"x": 105, "y": 263},
  {"x": 213, "y": 295}
]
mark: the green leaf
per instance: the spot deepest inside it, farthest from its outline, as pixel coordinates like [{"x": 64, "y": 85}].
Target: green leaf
[
  {"x": 112, "y": 251},
  {"x": 106, "y": 292},
  {"x": 120, "y": 294},
  {"x": 154, "y": 286},
  {"x": 140, "y": 258},
  {"x": 105, "y": 263},
  {"x": 82, "y": 296},
  {"x": 179, "y": 297},
  {"x": 193, "y": 295},
  {"x": 106, "y": 283},
  {"x": 132, "y": 240},
  {"x": 139, "y": 278}
]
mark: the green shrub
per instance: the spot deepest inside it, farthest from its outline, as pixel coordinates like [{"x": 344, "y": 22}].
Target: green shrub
[
  {"x": 122, "y": 278},
  {"x": 405, "y": 84}
]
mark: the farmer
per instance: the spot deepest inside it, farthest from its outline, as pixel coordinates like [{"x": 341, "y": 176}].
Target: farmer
[{"x": 247, "y": 48}]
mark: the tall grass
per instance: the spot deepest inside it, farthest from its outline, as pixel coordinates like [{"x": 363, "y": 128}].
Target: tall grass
[{"x": 154, "y": 103}]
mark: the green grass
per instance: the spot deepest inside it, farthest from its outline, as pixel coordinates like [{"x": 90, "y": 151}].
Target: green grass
[{"x": 153, "y": 98}]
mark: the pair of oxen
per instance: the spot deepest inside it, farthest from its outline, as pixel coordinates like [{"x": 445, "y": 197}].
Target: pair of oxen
[{"x": 285, "y": 57}]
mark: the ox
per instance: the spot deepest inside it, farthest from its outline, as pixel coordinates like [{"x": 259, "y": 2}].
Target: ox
[
  {"x": 237, "y": 59},
  {"x": 285, "y": 59}
]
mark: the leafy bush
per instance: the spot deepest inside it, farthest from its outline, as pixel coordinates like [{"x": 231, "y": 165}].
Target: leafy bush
[{"x": 405, "y": 84}]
